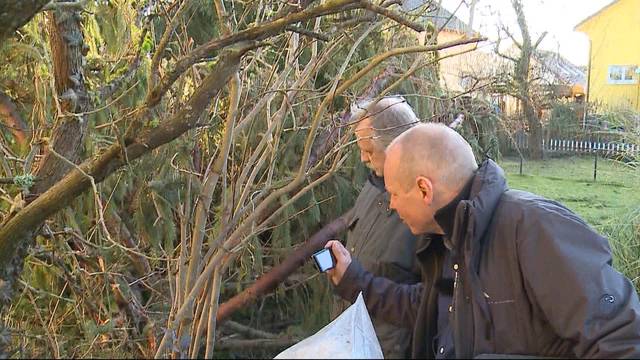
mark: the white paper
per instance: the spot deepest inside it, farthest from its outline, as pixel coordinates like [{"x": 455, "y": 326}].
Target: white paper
[{"x": 350, "y": 336}]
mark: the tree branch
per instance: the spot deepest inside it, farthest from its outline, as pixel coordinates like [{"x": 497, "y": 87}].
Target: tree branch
[
  {"x": 258, "y": 32},
  {"x": 535, "y": 46},
  {"x": 75, "y": 183},
  {"x": 164, "y": 40},
  {"x": 269, "y": 281},
  {"x": 308, "y": 33},
  {"x": 392, "y": 15},
  {"x": 14, "y": 14},
  {"x": 107, "y": 91}
]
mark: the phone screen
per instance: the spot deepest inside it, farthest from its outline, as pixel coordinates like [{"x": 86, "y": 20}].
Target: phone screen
[{"x": 324, "y": 260}]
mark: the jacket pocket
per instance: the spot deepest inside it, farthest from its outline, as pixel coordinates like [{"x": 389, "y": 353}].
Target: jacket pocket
[{"x": 506, "y": 327}]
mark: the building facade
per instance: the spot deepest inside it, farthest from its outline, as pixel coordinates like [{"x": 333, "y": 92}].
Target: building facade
[{"x": 614, "y": 56}]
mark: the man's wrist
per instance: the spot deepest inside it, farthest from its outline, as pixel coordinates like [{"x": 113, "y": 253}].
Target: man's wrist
[{"x": 349, "y": 287}]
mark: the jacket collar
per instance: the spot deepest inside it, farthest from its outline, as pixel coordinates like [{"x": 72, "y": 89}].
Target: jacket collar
[
  {"x": 485, "y": 190},
  {"x": 445, "y": 217},
  {"x": 488, "y": 186},
  {"x": 377, "y": 181}
]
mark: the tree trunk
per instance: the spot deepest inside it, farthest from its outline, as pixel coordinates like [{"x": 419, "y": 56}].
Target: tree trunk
[
  {"x": 67, "y": 43},
  {"x": 521, "y": 78}
]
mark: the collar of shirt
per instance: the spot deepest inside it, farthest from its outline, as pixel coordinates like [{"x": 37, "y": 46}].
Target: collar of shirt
[{"x": 377, "y": 181}]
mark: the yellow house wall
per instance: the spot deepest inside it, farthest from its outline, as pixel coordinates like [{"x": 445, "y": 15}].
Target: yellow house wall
[{"x": 615, "y": 40}]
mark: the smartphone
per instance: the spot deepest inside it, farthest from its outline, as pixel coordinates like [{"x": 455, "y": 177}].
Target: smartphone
[{"x": 324, "y": 260}]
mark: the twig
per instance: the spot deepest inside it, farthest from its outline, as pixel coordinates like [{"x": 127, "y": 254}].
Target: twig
[
  {"x": 109, "y": 89},
  {"x": 166, "y": 36},
  {"x": 259, "y": 32},
  {"x": 309, "y": 33},
  {"x": 392, "y": 15},
  {"x": 105, "y": 106},
  {"x": 250, "y": 332}
]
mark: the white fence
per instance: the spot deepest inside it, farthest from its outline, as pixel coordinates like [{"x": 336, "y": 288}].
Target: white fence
[{"x": 580, "y": 146}]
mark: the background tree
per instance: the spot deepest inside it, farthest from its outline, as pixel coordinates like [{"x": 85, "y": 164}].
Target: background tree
[{"x": 521, "y": 81}]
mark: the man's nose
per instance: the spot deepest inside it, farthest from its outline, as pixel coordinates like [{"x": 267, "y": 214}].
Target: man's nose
[{"x": 364, "y": 158}]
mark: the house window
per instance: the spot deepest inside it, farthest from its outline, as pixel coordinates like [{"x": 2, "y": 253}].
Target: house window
[{"x": 622, "y": 74}]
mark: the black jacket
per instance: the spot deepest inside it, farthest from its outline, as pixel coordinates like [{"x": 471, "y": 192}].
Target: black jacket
[{"x": 532, "y": 279}]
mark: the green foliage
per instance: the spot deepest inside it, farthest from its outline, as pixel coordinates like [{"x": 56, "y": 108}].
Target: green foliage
[
  {"x": 24, "y": 181},
  {"x": 564, "y": 122}
]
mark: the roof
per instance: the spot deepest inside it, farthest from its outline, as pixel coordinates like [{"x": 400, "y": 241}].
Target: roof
[
  {"x": 561, "y": 68},
  {"x": 595, "y": 15}
]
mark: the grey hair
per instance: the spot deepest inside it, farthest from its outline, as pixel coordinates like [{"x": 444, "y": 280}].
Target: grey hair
[{"x": 390, "y": 117}]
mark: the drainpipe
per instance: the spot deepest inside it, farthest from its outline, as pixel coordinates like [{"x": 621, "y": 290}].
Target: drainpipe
[
  {"x": 638, "y": 91},
  {"x": 586, "y": 100}
]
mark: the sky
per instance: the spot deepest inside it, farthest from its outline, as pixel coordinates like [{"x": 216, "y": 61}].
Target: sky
[{"x": 557, "y": 17}]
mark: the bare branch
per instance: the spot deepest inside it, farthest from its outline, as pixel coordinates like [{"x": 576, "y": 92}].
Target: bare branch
[
  {"x": 258, "y": 32},
  {"x": 537, "y": 43},
  {"x": 392, "y": 15},
  {"x": 515, "y": 41},
  {"x": 14, "y": 14},
  {"x": 267, "y": 282},
  {"x": 308, "y": 33},
  {"x": 75, "y": 183},
  {"x": 106, "y": 91},
  {"x": 166, "y": 36}
]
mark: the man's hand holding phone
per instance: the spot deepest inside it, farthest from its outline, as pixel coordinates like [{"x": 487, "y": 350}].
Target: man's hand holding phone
[{"x": 342, "y": 261}]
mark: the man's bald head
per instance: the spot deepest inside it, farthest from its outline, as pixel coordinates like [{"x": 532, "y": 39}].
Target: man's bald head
[{"x": 434, "y": 151}]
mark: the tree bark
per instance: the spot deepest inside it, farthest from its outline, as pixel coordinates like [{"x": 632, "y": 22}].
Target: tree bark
[
  {"x": 12, "y": 119},
  {"x": 67, "y": 45}
]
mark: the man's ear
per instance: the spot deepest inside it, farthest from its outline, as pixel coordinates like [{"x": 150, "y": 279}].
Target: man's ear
[{"x": 425, "y": 186}]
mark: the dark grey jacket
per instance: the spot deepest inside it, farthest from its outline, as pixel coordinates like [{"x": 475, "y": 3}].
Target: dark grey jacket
[
  {"x": 532, "y": 279},
  {"x": 385, "y": 247}
]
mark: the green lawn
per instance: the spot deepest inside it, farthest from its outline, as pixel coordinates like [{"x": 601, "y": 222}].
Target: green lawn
[{"x": 604, "y": 203}]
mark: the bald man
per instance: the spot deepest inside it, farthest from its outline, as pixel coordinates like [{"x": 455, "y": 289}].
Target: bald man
[{"x": 517, "y": 274}]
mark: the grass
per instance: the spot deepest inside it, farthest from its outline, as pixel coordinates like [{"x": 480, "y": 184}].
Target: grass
[{"x": 602, "y": 203}]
